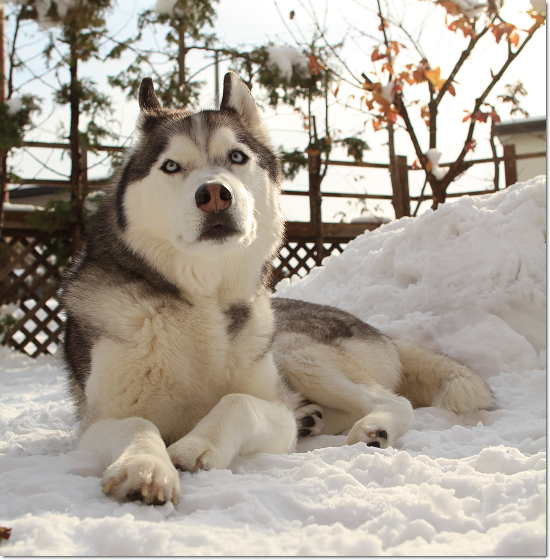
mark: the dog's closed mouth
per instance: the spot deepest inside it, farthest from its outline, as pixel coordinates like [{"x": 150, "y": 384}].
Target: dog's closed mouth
[{"x": 217, "y": 232}]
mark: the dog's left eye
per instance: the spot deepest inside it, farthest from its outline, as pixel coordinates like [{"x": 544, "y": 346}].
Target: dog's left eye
[
  {"x": 238, "y": 157},
  {"x": 170, "y": 166}
]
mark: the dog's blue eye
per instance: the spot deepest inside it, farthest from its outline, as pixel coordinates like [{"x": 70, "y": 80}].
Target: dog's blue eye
[
  {"x": 238, "y": 157},
  {"x": 170, "y": 166}
]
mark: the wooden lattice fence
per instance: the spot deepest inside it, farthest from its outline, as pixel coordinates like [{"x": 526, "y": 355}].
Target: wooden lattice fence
[
  {"x": 29, "y": 280},
  {"x": 30, "y": 275},
  {"x": 299, "y": 258}
]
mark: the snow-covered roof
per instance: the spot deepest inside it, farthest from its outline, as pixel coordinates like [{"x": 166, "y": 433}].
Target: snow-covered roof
[
  {"x": 520, "y": 126},
  {"x": 10, "y": 207}
]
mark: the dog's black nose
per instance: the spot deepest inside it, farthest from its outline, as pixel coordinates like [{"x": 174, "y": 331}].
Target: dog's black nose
[{"x": 213, "y": 197}]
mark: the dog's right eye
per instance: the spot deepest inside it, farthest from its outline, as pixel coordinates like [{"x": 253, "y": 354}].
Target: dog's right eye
[{"x": 170, "y": 167}]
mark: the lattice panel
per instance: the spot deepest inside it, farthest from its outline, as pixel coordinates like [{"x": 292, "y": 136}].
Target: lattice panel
[
  {"x": 298, "y": 258},
  {"x": 29, "y": 276}
]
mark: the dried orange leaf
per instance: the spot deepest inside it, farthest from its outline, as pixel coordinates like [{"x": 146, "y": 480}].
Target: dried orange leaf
[
  {"x": 314, "y": 64},
  {"x": 377, "y": 55},
  {"x": 514, "y": 38}
]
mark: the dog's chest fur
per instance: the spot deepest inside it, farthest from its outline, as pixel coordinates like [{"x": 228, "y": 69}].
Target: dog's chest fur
[{"x": 170, "y": 361}]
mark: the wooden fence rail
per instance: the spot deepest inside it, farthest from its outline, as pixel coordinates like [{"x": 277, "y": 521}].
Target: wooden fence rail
[{"x": 509, "y": 158}]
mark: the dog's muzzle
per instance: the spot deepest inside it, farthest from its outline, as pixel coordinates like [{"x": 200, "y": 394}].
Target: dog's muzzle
[{"x": 214, "y": 199}]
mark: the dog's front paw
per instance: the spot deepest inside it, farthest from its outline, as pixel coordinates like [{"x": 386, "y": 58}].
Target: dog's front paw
[
  {"x": 368, "y": 432},
  {"x": 193, "y": 453},
  {"x": 143, "y": 477}
]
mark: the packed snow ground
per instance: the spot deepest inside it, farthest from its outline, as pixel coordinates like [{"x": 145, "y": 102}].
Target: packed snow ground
[{"x": 468, "y": 280}]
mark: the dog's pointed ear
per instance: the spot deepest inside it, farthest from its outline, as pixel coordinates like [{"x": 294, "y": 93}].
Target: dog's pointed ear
[
  {"x": 148, "y": 101},
  {"x": 237, "y": 96}
]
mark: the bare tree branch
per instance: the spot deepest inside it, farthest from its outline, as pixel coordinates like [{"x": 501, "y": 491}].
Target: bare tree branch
[
  {"x": 459, "y": 63},
  {"x": 455, "y": 168}
]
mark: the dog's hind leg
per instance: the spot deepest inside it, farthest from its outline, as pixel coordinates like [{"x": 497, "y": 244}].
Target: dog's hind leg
[
  {"x": 138, "y": 465},
  {"x": 238, "y": 424},
  {"x": 350, "y": 395}
]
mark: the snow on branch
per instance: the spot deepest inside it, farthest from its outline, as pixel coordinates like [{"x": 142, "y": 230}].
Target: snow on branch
[
  {"x": 287, "y": 60},
  {"x": 470, "y": 8},
  {"x": 168, "y": 7},
  {"x": 43, "y": 8},
  {"x": 433, "y": 156},
  {"x": 15, "y": 104}
]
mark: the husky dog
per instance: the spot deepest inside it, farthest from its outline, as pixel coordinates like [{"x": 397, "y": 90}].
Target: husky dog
[{"x": 177, "y": 357}]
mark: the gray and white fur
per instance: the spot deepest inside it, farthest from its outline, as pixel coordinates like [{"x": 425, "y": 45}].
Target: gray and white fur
[{"x": 178, "y": 357}]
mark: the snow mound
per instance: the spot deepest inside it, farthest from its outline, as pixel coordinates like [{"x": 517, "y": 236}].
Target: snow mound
[{"x": 468, "y": 279}]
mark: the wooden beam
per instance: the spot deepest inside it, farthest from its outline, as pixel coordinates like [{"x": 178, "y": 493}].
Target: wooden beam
[
  {"x": 341, "y": 195},
  {"x": 401, "y": 198},
  {"x": 66, "y": 146},
  {"x": 358, "y": 164},
  {"x": 4, "y": 193},
  {"x": 63, "y": 184},
  {"x": 510, "y": 169},
  {"x": 330, "y": 230}
]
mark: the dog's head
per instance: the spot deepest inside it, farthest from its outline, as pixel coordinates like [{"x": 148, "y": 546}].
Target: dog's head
[{"x": 205, "y": 182}]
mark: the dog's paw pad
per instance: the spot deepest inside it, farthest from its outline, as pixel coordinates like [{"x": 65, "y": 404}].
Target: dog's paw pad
[
  {"x": 309, "y": 419},
  {"x": 373, "y": 437}
]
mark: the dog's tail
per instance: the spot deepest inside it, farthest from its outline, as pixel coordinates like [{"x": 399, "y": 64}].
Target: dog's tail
[{"x": 432, "y": 379}]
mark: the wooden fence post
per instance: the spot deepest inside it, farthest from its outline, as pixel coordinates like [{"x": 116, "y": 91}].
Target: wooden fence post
[
  {"x": 84, "y": 171},
  {"x": 404, "y": 197},
  {"x": 510, "y": 169},
  {"x": 4, "y": 194},
  {"x": 314, "y": 168}
]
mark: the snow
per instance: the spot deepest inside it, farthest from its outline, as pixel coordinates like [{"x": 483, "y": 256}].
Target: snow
[
  {"x": 43, "y": 7},
  {"x": 15, "y": 104},
  {"x": 167, "y": 7},
  {"x": 470, "y": 8},
  {"x": 14, "y": 207},
  {"x": 387, "y": 91},
  {"x": 287, "y": 60},
  {"x": 434, "y": 155},
  {"x": 468, "y": 280},
  {"x": 369, "y": 220}
]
